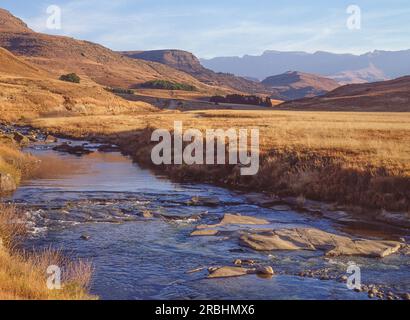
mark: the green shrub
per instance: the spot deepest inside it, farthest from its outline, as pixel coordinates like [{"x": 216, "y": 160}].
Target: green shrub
[
  {"x": 71, "y": 77},
  {"x": 167, "y": 85}
]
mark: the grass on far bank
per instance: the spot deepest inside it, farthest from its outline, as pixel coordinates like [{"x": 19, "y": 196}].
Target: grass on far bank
[{"x": 352, "y": 158}]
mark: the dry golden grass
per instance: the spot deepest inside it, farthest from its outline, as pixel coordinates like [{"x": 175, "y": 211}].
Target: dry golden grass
[
  {"x": 352, "y": 158},
  {"x": 359, "y": 139},
  {"x": 16, "y": 163},
  {"x": 23, "y": 275}
]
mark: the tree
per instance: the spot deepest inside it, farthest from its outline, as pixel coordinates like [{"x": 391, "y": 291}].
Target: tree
[{"x": 71, "y": 77}]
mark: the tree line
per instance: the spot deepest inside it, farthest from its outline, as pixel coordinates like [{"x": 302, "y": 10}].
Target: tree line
[{"x": 243, "y": 99}]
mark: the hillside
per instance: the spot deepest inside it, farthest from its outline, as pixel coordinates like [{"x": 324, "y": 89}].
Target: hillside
[
  {"x": 11, "y": 65},
  {"x": 296, "y": 85},
  {"x": 392, "y": 95},
  {"x": 349, "y": 68},
  {"x": 8, "y": 23},
  {"x": 27, "y": 91},
  {"x": 188, "y": 63},
  {"x": 62, "y": 55}
]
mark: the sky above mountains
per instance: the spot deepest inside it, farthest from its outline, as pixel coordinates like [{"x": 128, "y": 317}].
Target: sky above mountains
[{"x": 225, "y": 27}]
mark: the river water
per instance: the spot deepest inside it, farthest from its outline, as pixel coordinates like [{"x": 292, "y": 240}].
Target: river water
[{"x": 103, "y": 196}]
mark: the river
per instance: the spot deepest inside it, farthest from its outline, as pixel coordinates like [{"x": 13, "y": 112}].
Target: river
[{"x": 102, "y": 198}]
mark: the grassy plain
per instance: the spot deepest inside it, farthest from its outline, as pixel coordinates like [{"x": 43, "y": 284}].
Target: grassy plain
[{"x": 354, "y": 158}]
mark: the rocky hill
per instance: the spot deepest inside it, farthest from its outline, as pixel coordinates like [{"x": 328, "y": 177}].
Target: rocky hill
[
  {"x": 189, "y": 63},
  {"x": 27, "y": 91},
  {"x": 297, "y": 85},
  {"x": 60, "y": 55}
]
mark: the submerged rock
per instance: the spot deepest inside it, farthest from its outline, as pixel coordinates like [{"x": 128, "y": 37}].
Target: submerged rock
[
  {"x": 262, "y": 200},
  {"x": 204, "y": 201},
  {"x": 85, "y": 237},
  {"x": 74, "y": 150},
  {"x": 108, "y": 148},
  {"x": 204, "y": 232},
  {"x": 314, "y": 239}
]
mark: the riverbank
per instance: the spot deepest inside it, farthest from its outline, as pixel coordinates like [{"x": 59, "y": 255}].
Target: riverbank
[
  {"x": 23, "y": 274},
  {"x": 360, "y": 161}
]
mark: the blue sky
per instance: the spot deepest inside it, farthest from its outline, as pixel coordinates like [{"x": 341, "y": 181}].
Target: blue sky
[{"x": 225, "y": 27}]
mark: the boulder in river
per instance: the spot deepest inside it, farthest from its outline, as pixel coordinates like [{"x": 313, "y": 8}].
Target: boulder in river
[
  {"x": 229, "y": 272},
  {"x": 7, "y": 183},
  {"x": 314, "y": 239}
]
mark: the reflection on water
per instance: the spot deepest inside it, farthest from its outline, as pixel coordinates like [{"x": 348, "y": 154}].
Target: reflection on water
[{"x": 104, "y": 197}]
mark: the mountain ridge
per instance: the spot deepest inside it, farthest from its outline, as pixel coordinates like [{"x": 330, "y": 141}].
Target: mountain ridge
[
  {"x": 389, "y": 64},
  {"x": 60, "y": 54},
  {"x": 187, "y": 62}
]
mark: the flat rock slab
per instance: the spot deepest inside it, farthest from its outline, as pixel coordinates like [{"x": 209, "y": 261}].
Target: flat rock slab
[
  {"x": 235, "y": 219},
  {"x": 315, "y": 239},
  {"x": 229, "y": 272},
  {"x": 204, "y": 233}
]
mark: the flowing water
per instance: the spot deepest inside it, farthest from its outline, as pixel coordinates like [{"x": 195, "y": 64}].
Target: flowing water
[{"x": 103, "y": 196}]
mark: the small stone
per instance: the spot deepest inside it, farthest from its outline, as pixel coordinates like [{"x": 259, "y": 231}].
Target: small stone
[
  {"x": 344, "y": 278},
  {"x": 237, "y": 262},
  {"x": 371, "y": 295},
  {"x": 85, "y": 237},
  {"x": 146, "y": 214},
  {"x": 265, "y": 271},
  {"x": 405, "y": 296}
]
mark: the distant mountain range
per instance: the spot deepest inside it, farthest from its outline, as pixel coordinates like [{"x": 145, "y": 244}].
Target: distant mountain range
[{"x": 344, "y": 68}]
